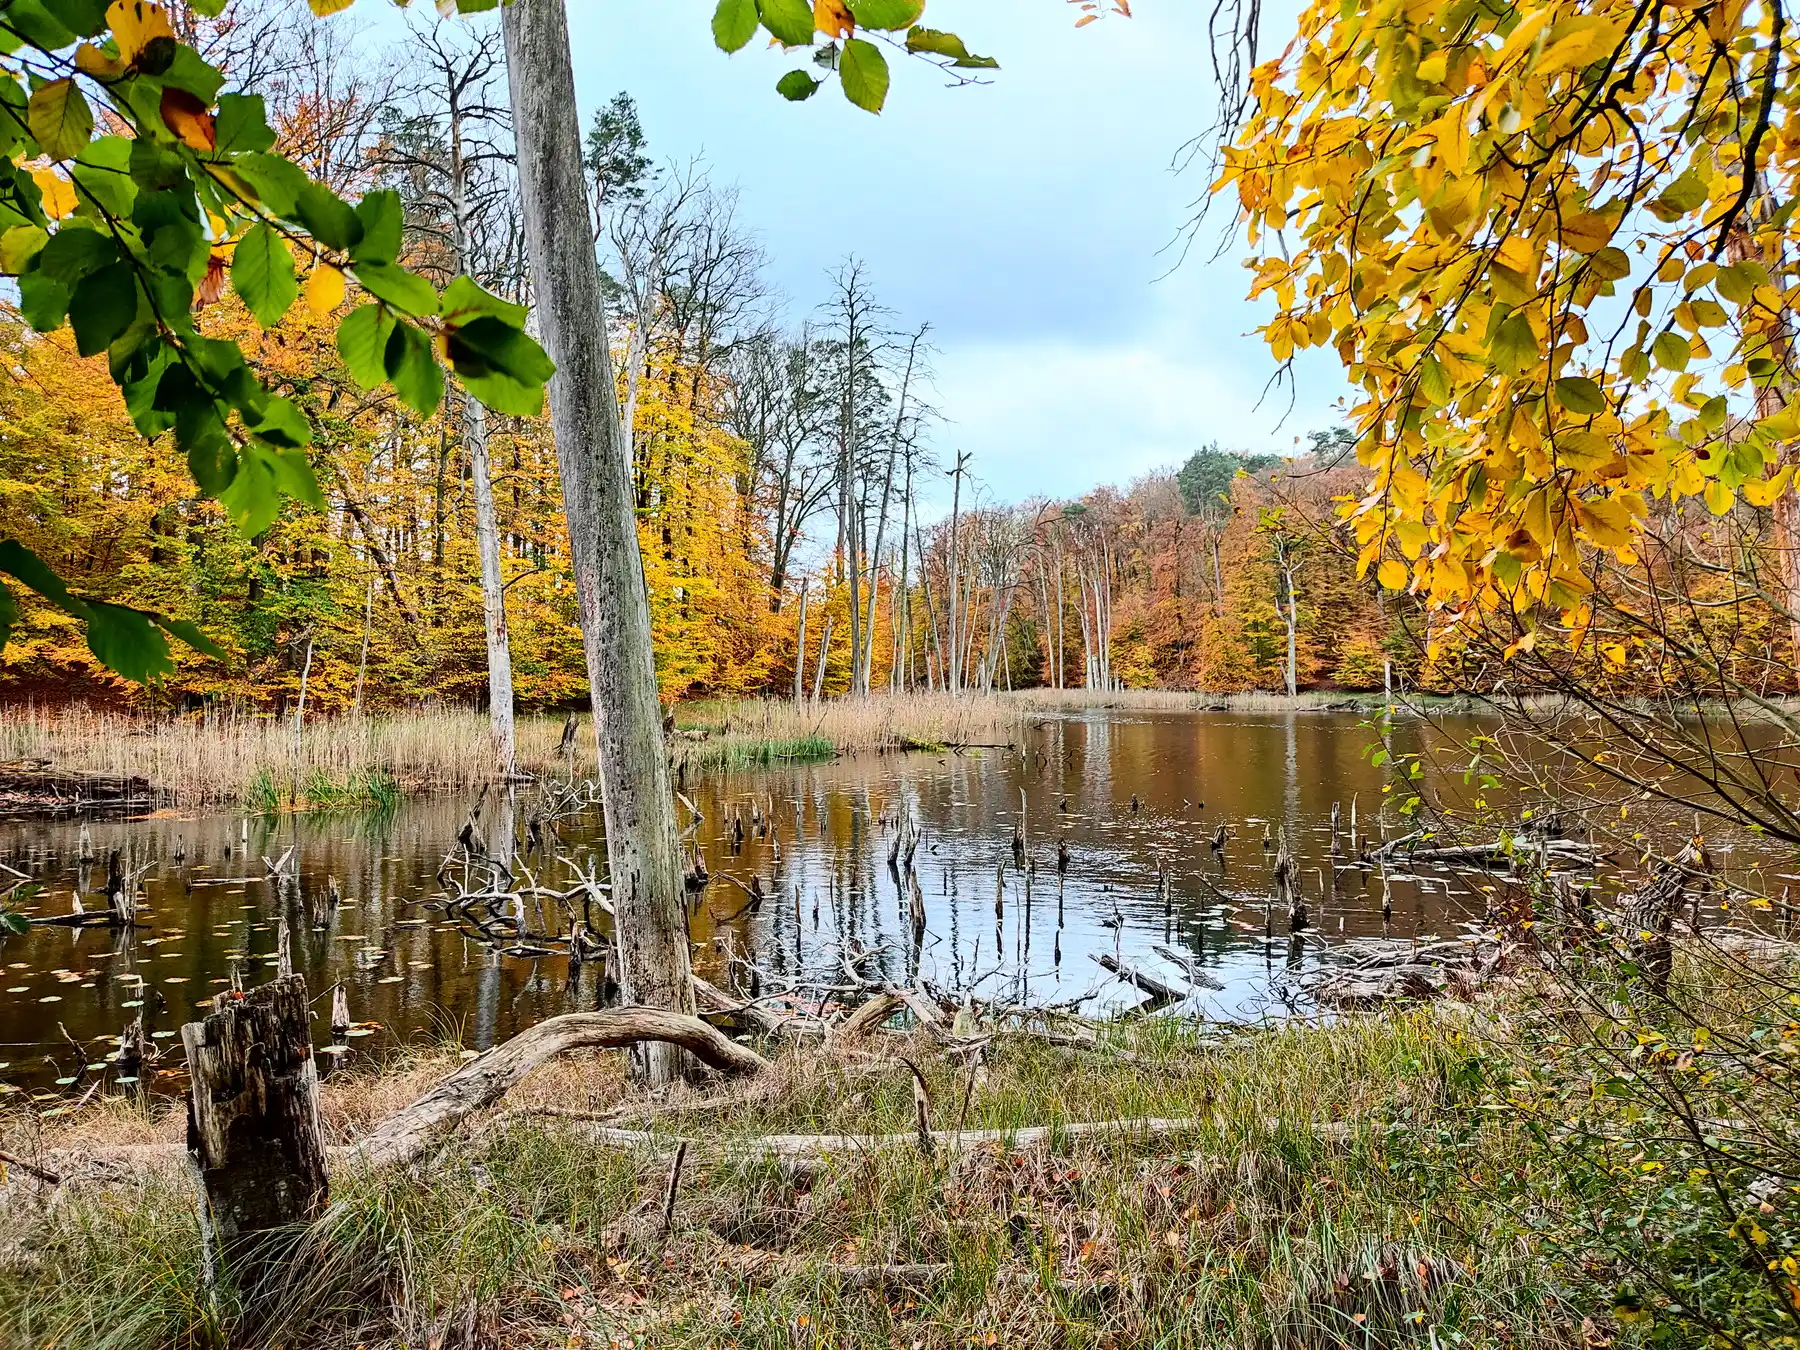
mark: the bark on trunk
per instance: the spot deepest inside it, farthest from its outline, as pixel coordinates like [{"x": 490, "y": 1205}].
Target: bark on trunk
[
  {"x": 253, "y": 1124},
  {"x": 493, "y": 588},
  {"x": 643, "y": 851}
]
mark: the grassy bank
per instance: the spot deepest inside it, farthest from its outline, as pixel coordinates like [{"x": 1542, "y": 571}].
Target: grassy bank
[
  {"x": 1264, "y": 1218},
  {"x": 1434, "y": 1177}
]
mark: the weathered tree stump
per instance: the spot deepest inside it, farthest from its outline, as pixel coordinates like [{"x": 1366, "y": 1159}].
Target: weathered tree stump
[{"x": 253, "y": 1123}]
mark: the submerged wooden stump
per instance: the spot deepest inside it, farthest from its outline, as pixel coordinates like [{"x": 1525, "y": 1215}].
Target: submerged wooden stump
[{"x": 253, "y": 1122}]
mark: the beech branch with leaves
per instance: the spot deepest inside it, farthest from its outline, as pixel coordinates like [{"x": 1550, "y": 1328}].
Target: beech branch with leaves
[
  {"x": 1549, "y": 244},
  {"x": 132, "y": 190}
]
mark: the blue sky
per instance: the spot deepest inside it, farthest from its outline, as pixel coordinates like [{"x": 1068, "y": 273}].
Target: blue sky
[{"x": 1031, "y": 221}]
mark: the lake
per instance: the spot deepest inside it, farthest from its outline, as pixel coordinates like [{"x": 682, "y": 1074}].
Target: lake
[{"x": 1136, "y": 798}]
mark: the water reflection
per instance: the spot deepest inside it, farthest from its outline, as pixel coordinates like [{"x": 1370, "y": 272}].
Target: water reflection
[{"x": 801, "y": 884}]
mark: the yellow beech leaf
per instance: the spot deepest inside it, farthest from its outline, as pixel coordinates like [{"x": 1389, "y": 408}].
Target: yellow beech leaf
[
  {"x": 324, "y": 7},
  {"x": 90, "y": 60},
  {"x": 1524, "y": 644},
  {"x": 324, "y": 290},
  {"x": 1719, "y": 498},
  {"x": 1392, "y": 574},
  {"x": 1587, "y": 231},
  {"x": 1614, "y": 652},
  {"x": 135, "y": 25},
  {"x": 833, "y": 18},
  {"x": 1764, "y": 491},
  {"x": 59, "y": 193}
]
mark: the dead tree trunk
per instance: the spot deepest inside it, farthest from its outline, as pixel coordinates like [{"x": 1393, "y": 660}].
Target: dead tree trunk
[
  {"x": 643, "y": 849},
  {"x": 253, "y": 1123}
]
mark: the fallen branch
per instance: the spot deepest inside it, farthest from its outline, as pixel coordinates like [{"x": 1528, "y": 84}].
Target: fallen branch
[
  {"x": 1149, "y": 984},
  {"x": 483, "y": 1081},
  {"x": 802, "y": 1154},
  {"x": 12, "y": 1160}
]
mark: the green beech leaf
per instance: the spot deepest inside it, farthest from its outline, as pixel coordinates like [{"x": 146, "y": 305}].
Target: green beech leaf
[
  {"x": 126, "y": 641},
  {"x": 276, "y": 182},
  {"x": 413, "y": 370},
  {"x": 1671, "y": 351},
  {"x": 241, "y": 126},
  {"x": 102, "y": 307},
  {"x": 382, "y": 222},
  {"x": 201, "y": 432},
  {"x": 18, "y": 561},
  {"x": 72, "y": 252},
  {"x": 43, "y": 300},
  {"x": 103, "y": 172},
  {"x": 796, "y": 86},
  {"x": 19, "y": 245},
  {"x": 933, "y": 42},
  {"x": 189, "y": 633},
  {"x": 887, "y": 15},
  {"x": 864, "y": 71},
  {"x": 1514, "y": 347},
  {"x": 734, "y": 24},
  {"x": 60, "y": 119},
  {"x": 327, "y": 217},
  {"x": 501, "y": 366},
  {"x": 362, "y": 343},
  {"x": 400, "y": 288},
  {"x": 253, "y": 499},
  {"x": 262, "y": 273},
  {"x": 1580, "y": 395},
  {"x": 789, "y": 21},
  {"x": 465, "y": 300}
]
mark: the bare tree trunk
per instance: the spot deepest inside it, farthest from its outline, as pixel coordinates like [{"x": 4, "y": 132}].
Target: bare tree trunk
[
  {"x": 475, "y": 441},
  {"x": 800, "y": 647},
  {"x": 953, "y": 675},
  {"x": 493, "y": 587},
  {"x": 643, "y": 851},
  {"x": 362, "y": 660},
  {"x": 824, "y": 651},
  {"x": 305, "y": 676}
]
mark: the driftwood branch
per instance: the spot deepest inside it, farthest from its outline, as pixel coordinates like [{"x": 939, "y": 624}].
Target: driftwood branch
[{"x": 483, "y": 1081}]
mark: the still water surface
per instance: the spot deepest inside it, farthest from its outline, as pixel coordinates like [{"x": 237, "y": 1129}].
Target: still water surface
[{"x": 1136, "y": 798}]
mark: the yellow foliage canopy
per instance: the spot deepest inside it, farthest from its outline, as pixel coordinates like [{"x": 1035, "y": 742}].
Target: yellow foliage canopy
[{"x": 1544, "y": 241}]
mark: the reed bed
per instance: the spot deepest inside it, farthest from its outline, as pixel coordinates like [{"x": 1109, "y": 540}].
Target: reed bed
[{"x": 261, "y": 762}]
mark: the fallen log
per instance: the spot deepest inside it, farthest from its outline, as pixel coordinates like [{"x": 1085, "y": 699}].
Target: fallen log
[
  {"x": 800, "y": 1155},
  {"x": 1149, "y": 984},
  {"x": 1195, "y": 976},
  {"x": 1498, "y": 853},
  {"x": 484, "y": 1080}
]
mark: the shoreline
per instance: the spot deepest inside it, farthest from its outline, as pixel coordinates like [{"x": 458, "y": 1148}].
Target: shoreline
[{"x": 82, "y": 760}]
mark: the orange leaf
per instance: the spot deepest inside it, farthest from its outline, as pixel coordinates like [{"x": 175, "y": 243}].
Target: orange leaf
[
  {"x": 1085, "y": 20},
  {"x": 212, "y": 285},
  {"x": 833, "y": 18},
  {"x": 188, "y": 118}
]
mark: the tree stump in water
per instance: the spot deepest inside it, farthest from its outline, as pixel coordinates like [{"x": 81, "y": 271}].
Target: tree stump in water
[{"x": 253, "y": 1123}]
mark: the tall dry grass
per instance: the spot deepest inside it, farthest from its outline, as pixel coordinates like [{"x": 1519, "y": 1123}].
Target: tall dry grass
[
  {"x": 229, "y": 757},
  {"x": 238, "y": 756}
]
